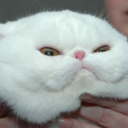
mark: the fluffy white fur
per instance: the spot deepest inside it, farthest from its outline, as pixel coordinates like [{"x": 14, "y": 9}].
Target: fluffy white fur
[{"x": 38, "y": 87}]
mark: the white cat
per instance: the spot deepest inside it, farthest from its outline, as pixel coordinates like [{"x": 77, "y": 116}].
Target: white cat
[{"x": 49, "y": 59}]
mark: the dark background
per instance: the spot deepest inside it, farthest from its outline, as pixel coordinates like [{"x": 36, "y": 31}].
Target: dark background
[{"x": 13, "y": 9}]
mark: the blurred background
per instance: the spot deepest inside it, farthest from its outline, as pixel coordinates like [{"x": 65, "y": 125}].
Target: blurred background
[{"x": 13, "y": 9}]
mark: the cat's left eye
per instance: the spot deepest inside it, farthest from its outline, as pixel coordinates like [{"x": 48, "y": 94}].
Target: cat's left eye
[
  {"x": 102, "y": 49},
  {"x": 49, "y": 51}
]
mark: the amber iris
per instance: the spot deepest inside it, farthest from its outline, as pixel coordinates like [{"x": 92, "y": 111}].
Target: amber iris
[
  {"x": 102, "y": 49},
  {"x": 49, "y": 51}
]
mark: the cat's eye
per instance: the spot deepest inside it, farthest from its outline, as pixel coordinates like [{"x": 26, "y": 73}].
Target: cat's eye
[
  {"x": 49, "y": 51},
  {"x": 102, "y": 49}
]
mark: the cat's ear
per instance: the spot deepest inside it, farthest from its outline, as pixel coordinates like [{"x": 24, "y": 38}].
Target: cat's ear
[{"x": 6, "y": 29}]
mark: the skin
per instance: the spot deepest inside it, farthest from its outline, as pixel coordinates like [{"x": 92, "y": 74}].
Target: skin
[
  {"x": 106, "y": 113},
  {"x": 117, "y": 14}
]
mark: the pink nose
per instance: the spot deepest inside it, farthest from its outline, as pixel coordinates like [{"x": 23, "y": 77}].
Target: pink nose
[{"x": 79, "y": 55}]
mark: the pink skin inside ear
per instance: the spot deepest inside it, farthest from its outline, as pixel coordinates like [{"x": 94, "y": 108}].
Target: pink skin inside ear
[{"x": 79, "y": 55}]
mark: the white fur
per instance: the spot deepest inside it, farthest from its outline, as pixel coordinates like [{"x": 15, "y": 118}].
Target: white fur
[{"x": 38, "y": 87}]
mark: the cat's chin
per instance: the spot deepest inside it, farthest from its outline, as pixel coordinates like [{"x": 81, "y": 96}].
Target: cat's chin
[{"x": 82, "y": 72}]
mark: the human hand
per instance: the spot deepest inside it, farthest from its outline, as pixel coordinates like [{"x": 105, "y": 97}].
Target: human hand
[
  {"x": 106, "y": 113},
  {"x": 7, "y": 121}
]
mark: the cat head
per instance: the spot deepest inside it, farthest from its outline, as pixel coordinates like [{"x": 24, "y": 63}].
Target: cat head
[{"x": 49, "y": 59}]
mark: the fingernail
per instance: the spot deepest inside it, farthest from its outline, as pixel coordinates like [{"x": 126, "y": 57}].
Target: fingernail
[
  {"x": 65, "y": 123},
  {"x": 86, "y": 97}
]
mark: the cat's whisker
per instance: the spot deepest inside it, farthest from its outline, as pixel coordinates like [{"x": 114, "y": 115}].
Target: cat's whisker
[
  {"x": 54, "y": 60},
  {"x": 95, "y": 10},
  {"x": 123, "y": 9},
  {"x": 43, "y": 6},
  {"x": 102, "y": 14},
  {"x": 44, "y": 86}
]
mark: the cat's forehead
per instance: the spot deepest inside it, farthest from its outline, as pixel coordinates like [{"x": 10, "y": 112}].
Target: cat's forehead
[{"x": 68, "y": 29}]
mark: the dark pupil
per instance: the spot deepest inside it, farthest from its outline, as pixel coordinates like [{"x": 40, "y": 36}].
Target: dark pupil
[
  {"x": 102, "y": 50},
  {"x": 49, "y": 52}
]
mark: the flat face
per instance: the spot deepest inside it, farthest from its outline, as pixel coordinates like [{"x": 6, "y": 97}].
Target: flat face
[{"x": 49, "y": 59}]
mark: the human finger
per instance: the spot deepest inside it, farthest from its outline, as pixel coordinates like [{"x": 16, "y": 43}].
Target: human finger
[
  {"x": 119, "y": 106},
  {"x": 12, "y": 122},
  {"x": 72, "y": 123},
  {"x": 104, "y": 117}
]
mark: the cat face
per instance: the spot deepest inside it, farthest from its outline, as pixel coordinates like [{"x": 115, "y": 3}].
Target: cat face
[{"x": 49, "y": 59}]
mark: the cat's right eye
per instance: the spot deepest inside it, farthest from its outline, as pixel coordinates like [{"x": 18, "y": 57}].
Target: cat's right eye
[
  {"x": 102, "y": 49},
  {"x": 49, "y": 51}
]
